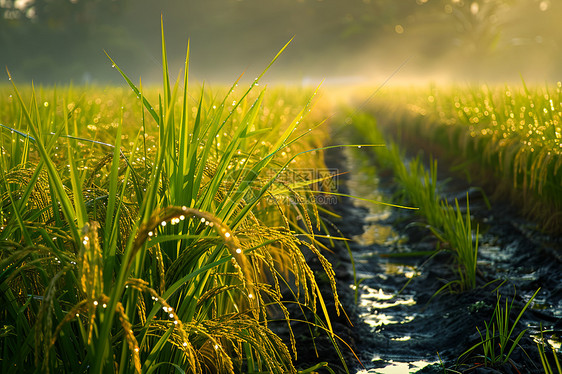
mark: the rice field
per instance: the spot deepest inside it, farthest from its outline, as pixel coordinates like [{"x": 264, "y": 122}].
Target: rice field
[
  {"x": 507, "y": 138},
  {"x": 505, "y": 141},
  {"x": 166, "y": 229},
  {"x": 158, "y": 229}
]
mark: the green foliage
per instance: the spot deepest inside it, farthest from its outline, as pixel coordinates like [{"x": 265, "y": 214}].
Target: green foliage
[
  {"x": 498, "y": 341},
  {"x": 457, "y": 228},
  {"x": 419, "y": 186},
  {"x": 153, "y": 244},
  {"x": 513, "y": 134},
  {"x": 544, "y": 357}
]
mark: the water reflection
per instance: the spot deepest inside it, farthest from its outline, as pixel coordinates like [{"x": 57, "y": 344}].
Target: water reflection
[
  {"x": 554, "y": 341},
  {"x": 379, "y": 305},
  {"x": 407, "y": 271},
  {"x": 376, "y": 234},
  {"x": 395, "y": 367},
  {"x": 374, "y": 303},
  {"x": 364, "y": 183}
]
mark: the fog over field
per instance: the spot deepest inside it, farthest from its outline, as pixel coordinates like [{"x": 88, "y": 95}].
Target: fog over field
[{"x": 340, "y": 41}]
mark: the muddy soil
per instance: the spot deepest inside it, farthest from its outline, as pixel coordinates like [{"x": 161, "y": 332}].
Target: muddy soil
[{"x": 399, "y": 324}]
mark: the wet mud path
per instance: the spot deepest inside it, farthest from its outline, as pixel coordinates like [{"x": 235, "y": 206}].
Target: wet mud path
[{"x": 400, "y": 326}]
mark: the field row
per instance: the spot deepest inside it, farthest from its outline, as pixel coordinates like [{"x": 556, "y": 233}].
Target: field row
[{"x": 503, "y": 137}]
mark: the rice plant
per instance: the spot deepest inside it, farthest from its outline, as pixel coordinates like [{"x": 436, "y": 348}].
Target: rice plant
[
  {"x": 457, "y": 229},
  {"x": 447, "y": 223},
  {"x": 419, "y": 187},
  {"x": 498, "y": 341},
  {"x": 145, "y": 233},
  {"x": 512, "y": 133}
]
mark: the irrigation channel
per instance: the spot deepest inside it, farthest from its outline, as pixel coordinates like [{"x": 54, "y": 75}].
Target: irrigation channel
[{"x": 399, "y": 324}]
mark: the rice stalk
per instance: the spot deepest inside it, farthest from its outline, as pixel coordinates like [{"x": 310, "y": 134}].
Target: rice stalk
[{"x": 159, "y": 254}]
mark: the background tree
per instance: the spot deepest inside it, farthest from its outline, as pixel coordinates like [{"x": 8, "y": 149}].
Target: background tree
[{"x": 51, "y": 40}]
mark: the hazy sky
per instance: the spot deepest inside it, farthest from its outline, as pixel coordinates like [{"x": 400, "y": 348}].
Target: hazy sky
[{"x": 334, "y": 39}]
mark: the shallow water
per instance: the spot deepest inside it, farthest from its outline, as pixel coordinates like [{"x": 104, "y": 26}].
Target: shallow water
[
  {"x": 378, "y": 304},
  {"x": 400, "y": 329}
]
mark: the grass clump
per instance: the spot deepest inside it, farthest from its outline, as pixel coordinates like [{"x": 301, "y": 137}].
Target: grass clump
[
  {"x": 498, "y": 341},
  {"x": 162, "y": 244}
]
